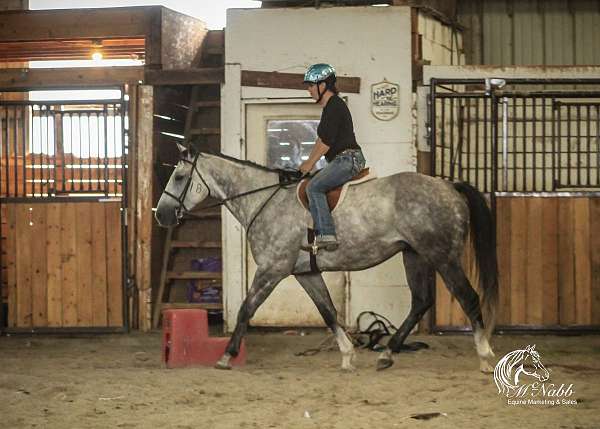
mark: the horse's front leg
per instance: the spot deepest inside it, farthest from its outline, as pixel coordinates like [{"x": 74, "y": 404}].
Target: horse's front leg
[{"x": 262, "y": 285}]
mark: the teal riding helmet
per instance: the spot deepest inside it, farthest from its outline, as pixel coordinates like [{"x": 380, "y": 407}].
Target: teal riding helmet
[{"x": 319, "y": 73}]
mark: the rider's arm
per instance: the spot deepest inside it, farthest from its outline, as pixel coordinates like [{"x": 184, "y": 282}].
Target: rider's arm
[{"x": 316, "y": 153}]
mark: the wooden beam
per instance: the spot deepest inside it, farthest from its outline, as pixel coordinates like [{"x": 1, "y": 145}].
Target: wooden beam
[
  {"x": 193, "y": 76},
  {"x": 293, "y": 81},
  {"x": 74, "y": 49},
  {"x": 144, "y": 217},
  {"x": 24, "y": 79},
  {"x": 32, "y": 25}
]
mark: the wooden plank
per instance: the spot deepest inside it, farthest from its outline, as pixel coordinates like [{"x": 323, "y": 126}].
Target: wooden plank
[
  {"x": 534, "y": 285},
  {"x": 39, "y": 304},
  {"x": 24, "y": 292},
  {"x": 210, "y": 103},
  {"x": 205, "y": 214},
  {"x": 566, "y": 263},
  {"x": 518, "y": 261},
  {"x": 114, "y": 263},
  {"x": 53, "y": 256},
  {"x": 23, "y": 79},
  {"x": 68, "y": 256},
  {"x": 595, "y": 258},
  {"x": 175, "y": 305},
  {"x": 205, "y": 131},
  {"x": 192, "y": 275},
  {"x": 550, "y": 262},
  {"x": 293, "y": 81},
  {"x": 99, "y": 266},
  {"x": 144, "y": 218},
  {"x": 191, "y": 76},
  {"x": 84, "y": 263},
  {"x": 11, "y": 261},
  {"x": 196, "y": 244},
  {"x": 583, "y": 269},
  {"x": 163, "y": 278},
  {"x": 503, "y": 217},
  {"x": 132, "y": 198},
  {"x": 30, "y": 25}
]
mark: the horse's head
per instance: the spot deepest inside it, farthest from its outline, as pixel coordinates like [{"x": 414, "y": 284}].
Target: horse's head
[
  {"x": 184, "y": 191},
  {"x": 532, "y": 359}
]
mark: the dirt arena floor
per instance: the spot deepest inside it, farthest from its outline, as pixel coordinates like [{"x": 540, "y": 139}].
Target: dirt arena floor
[{"x": 118, "y": 381}]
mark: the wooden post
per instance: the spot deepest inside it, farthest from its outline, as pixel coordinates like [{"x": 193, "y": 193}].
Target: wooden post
[
  {"x": 131, "y": 202},
  {"x": 143, "y": 196}
]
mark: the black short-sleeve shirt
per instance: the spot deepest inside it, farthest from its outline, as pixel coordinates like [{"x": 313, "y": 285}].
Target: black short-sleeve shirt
[{"x": 336, "y": 129}]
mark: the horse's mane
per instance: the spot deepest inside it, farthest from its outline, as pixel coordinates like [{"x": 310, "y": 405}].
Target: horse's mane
[{"x": 244, "y": 162}]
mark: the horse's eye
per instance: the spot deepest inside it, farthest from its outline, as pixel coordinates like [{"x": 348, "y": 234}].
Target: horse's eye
[{"x": 178, "y": 177}]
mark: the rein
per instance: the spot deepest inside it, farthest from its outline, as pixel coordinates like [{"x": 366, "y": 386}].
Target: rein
[{"x": 186, "y": 213}]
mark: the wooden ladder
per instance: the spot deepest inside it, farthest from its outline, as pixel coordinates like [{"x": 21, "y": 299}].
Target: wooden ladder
[
  {"x": 204, "y": 103},
  {"x": 167, "y": 275}
]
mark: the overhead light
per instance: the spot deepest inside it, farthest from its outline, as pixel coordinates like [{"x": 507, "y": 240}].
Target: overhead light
[{"x": 97, "y": 50}]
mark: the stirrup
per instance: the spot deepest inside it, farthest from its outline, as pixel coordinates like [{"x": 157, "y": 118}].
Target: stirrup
[{"x": 320, "y": 244}]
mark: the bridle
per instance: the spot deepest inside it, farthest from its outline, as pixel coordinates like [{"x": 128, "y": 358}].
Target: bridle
[
  {"x": 181, "y": 198},
  {"x": 182, "y": 211}
]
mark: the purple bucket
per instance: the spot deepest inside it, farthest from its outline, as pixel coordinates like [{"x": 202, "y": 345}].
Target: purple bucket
[
  {"x": 212, "y": 264},
  {"x": 207, "y": 295}
]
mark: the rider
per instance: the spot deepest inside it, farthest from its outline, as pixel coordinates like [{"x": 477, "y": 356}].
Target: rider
[{"x": 337, "y": 142}]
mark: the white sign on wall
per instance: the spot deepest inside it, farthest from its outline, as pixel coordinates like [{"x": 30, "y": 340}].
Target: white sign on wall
[{"x": 385, "y": 100}]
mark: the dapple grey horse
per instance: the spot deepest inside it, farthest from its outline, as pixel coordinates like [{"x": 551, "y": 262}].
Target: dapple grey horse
[{"x": 425, "y": 218}]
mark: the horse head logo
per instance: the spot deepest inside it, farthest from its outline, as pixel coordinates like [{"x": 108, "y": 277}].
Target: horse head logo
[{"x": 514, "y": 364}]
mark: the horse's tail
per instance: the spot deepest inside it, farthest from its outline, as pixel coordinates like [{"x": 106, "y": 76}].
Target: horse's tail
[{"x": 483, "y": 236}]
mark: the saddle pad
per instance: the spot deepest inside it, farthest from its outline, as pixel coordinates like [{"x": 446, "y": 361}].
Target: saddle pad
[{"x": 336, "y": 195}]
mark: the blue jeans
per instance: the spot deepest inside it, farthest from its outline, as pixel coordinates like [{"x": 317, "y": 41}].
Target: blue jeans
[{"x": 343, "y": 168}]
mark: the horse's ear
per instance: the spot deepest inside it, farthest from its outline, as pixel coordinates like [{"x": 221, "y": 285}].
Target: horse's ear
[
  {"x": 181, "y": 147},
  {"x": 193, "y": 150},
  {"x": 532, "y": 348},
  {"x": 528, "y": 348}
]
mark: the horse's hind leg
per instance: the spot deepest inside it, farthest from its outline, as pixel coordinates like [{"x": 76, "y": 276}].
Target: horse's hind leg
[
  {"x": 417, "y": 271},
  {"x": 314, "y": 285},
  {"x": 262, "y": 285},
  {"x": 459, "y": 286}
]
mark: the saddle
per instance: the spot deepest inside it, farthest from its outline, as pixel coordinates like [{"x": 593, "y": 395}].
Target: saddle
[{"x": 336, "y": 195}]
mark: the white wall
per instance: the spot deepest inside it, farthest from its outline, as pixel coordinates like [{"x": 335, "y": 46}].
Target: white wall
[{"x": 372, "y": 43}]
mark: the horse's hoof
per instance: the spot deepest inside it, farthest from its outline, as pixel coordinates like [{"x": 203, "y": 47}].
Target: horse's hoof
[
  {"x": 485, "y": 367},
  {"x": 223, "y": 363},
  {"x": 384, "y": 363},
  {"x": 347, "y": 362},
  {"x": 220, "y": 365},
  {"x": 348, "y": 368}
]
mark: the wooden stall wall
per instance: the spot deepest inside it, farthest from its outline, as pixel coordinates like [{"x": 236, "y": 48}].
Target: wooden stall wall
[
  {"x": 549, "y": 264},
  {"x": 64, "y": 264}
]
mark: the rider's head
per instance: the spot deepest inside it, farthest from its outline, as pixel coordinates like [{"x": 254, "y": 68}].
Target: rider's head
[{"x": 320, "y": 78}]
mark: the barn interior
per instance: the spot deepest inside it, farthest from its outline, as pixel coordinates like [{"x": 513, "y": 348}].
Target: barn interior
[{"x": 94, "y": 105}]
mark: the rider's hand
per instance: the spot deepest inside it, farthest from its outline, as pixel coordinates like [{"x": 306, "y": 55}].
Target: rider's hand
[{"x": 305, "y": 167}]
